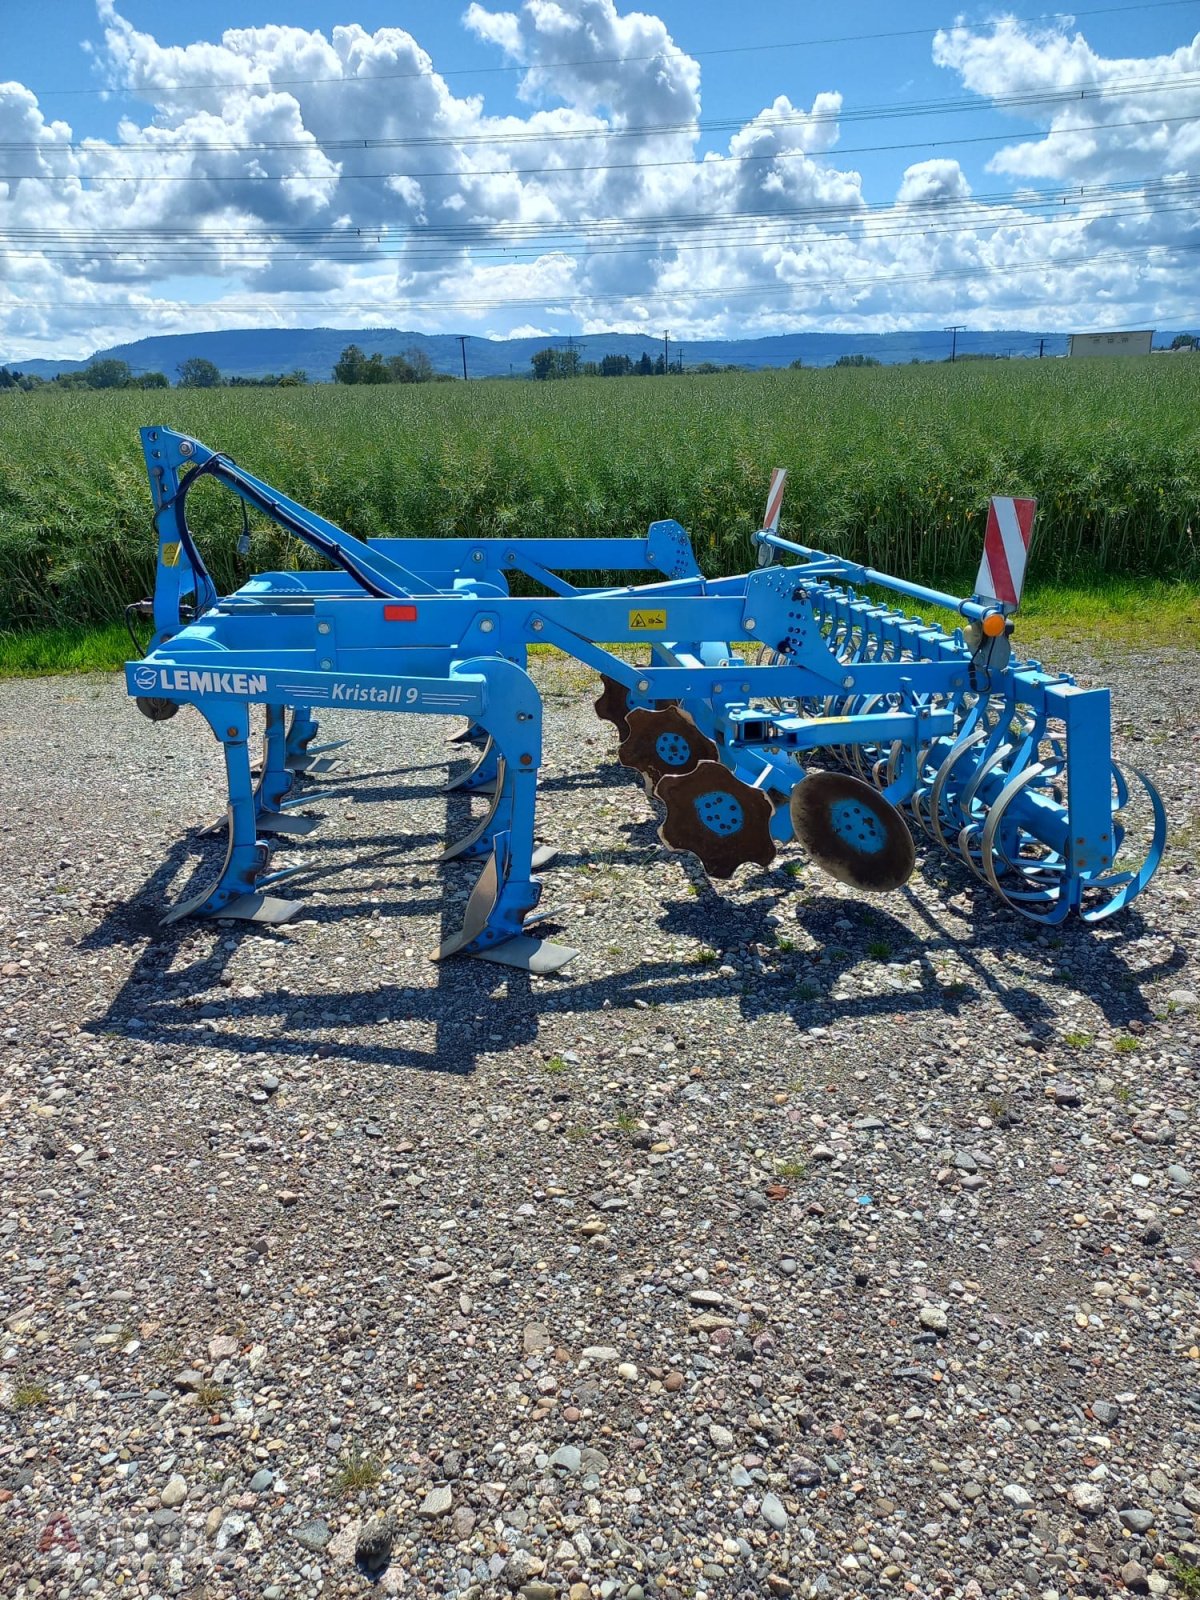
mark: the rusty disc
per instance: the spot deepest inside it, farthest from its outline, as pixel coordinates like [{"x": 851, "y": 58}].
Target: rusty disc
[
  {"x": 613, "y": 705},
  {"x": 852, "y": 832},
  {"x": 664, "y": 743},
  {"x": 721, "y": 820}
]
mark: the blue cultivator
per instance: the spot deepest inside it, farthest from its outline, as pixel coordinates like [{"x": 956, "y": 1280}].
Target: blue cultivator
[{"x": 839, "y": 711}]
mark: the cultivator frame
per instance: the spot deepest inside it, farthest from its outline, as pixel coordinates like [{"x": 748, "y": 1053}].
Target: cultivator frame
[{"x": 1005, "y": 764}]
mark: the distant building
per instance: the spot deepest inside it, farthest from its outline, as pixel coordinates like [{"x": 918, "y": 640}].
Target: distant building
[{"x": 1111, "y": 344}]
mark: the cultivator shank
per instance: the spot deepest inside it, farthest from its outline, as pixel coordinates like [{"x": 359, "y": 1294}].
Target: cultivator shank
[{"x": 836, "y": 712}]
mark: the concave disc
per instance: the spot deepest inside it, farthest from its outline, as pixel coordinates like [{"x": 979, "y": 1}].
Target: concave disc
[
  {"x": 852, "y": 832},
  {"x": 613, "y": 704},
  {"x": 664, "y": 742},
  {"x": 722, "y": 821}
]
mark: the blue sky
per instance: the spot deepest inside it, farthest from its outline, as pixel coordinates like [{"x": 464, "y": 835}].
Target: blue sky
[{"x": 838, "y": 206}]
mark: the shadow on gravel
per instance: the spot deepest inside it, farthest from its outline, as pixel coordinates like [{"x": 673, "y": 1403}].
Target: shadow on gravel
[{"x": 179, "y": 991}]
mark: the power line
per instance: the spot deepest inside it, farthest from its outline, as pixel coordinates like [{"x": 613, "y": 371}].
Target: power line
[
  {"x": 426, "y": 250},
  {"x": 602, "y": 166},
  {"x": 589, "y": 61},
  {"x": 938, "y": 206},
  {"x": 223, "y": 308},
  {"x": 1149, "y": 195},
  {"x": 969, "y": 104}
]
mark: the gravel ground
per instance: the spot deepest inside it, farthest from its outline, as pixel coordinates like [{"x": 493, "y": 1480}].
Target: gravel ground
[{"x": 784, "y": 1244}]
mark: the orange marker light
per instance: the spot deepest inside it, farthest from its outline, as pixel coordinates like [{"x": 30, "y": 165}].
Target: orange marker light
[{"x": 994, "y": 624}]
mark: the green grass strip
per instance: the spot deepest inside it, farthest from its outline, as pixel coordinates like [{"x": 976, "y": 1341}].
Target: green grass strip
[
  {"x": 1130, "y": 613},
  {"x": 47, "y": 652}
]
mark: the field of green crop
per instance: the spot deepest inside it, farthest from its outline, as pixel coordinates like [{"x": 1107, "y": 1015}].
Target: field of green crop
[{"x": 889, "y": 465}]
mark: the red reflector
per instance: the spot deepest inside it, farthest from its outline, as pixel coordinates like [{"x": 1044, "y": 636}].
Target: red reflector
[{"x": 399, "y": 613}]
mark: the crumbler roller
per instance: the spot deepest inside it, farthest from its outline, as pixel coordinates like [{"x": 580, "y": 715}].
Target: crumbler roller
[{"x": 777, "y": 705}]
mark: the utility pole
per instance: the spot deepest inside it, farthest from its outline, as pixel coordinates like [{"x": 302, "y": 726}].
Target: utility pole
[
  {"x": 666, "y": 352},
  {"x": 954, "y": 332},
  {"x": 1041, "y": 348},
  {"x": 462, "y": 339}
]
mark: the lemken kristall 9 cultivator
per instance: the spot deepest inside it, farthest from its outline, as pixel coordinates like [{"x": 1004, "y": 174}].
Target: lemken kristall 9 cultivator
[{"x": 775, "y": 705}]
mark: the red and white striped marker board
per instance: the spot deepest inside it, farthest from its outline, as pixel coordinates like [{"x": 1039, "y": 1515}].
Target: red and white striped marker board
[
  {"x": 1005, "y": 550},
  {"x": 774, "y": 500}
]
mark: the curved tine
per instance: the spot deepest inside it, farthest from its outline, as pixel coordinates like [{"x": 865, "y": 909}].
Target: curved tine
[
  {"x": 247, "y": 903},
  {"x": 194, "y": 903},
  {"x": 917, "y": 807},
  {"x": 464, "y": 780},
  {"x": 1058, "y": 902},
  {"x": 994, "y": 751},
  {"x": 861, "y": 759},
  {"x": 1122, "y": 788},
  {"x": 1133, "y": 886},
  {"x": 967, "y": 742},
  {"x": 971, "y": 855},
  {"x": 865, "y": 757},
  {"x": 895, "y": 783},
  {"x": 919, "y": 799},
  {"x": 473, "y": 835},
  {"x": 893, "y": 762},
  {"x": 1051, "y": 867},
  {"x": 966, "y": 798}
]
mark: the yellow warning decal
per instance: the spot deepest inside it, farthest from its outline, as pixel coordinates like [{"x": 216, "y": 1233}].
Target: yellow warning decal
[
  {"x": 652, "y": 621},
  {"x": 170, "y": 555},
  {"x": 829, "y": 719}
]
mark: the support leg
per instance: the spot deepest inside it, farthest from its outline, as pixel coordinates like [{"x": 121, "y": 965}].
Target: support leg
[
  {"x": 246, "y": 855},
  {"x": 498, "y": 912},
  {"x": 302, "y": 755},
  {"x": 276, "y": 782}
]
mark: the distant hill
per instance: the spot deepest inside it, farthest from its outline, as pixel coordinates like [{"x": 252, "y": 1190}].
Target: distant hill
[{"x": 252, "y": 352}]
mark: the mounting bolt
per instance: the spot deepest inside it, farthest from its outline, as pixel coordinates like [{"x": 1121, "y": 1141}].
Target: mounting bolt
[
  {"x": 487, "y": 625},
  {"x": 526, "y": 760},
  {"x": 232, "y": 732},
  {"x": 476, "y": 555},
  {"x": 537, "y": 624},
  {"x": 326, "y": 665},
  {"x": 717, "y": 687},
  {"x": 643, "y": 685},
  {"x": 745, "y": 688},
  {"x": 751, "y": 624},
  {"x": 847, "y": 683},
  {"x": 186, "y": 447},
  {"x": 322, "y": 627}
]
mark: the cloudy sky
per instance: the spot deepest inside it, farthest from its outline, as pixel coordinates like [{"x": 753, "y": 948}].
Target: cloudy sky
[{"x": 571, "y": 166}]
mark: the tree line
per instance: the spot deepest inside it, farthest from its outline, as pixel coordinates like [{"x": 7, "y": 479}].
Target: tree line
[
  {"x": 557, "y": 362},
  {"x": 108, "y": 373},
  {"x": 412, "y": 366}
]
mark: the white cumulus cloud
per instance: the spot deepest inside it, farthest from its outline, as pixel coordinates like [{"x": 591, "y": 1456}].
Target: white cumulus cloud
[{"x": 284, "y": 176}]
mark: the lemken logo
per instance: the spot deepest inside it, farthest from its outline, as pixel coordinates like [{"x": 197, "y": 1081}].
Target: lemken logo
[{"x": 186, "y": 680}]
